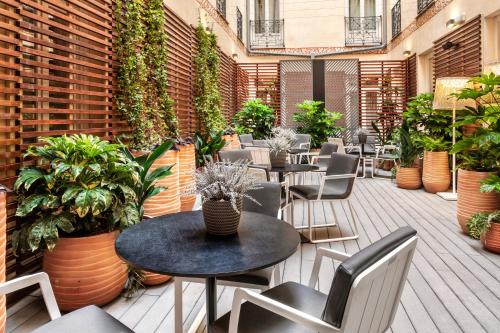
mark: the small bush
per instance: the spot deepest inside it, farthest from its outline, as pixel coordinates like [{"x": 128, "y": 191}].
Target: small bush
[{"x": 255, "y": 118}]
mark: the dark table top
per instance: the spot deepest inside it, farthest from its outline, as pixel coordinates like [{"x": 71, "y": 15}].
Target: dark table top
[
  {"x": 294, "y": 168},
  {"x": 178, "y": 245}
]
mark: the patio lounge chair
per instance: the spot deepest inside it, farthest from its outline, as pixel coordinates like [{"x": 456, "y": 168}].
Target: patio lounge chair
[
  {"x": 245, "y": 156},
  {"x": 245, "y": 140},
  {"x": 322, "y": 158},
  {"x": 269, "y": 197},
  {"x": 340, "y": 143},
  {"x": 336, "y": 185},
  {"x": 363, "y": 297},
  {"x": 302, "y": 141},
  {"x": 89, "y": 319}
]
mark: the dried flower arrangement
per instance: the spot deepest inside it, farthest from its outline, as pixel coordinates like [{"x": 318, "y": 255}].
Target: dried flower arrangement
[
  {"x": 287, "y": 133},
  {"x": 279, "y": 144}
]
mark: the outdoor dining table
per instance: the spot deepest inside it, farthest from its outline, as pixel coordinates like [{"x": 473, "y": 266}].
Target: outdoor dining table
[
  {"x": 178, "y": 245},
  {"x": 292, "y": 168}
]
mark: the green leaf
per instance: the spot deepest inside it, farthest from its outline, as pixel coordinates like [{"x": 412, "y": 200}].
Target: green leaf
[
  {"x": 155, "y": 154},
  {"x": 36, "y": 233},
  {"x": 70, "y": 193},
  {"x": 27, "y": 205},
  {"x": 64, "y": 222},
  {"x": 28, "y": 177},
  {"x": 83, "y": 202}
]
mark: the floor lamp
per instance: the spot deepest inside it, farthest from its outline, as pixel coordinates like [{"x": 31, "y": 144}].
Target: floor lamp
[{"x": 443, "y": 101}]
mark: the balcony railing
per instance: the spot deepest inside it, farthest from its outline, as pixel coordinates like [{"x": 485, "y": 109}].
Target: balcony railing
[
  {"x": 239, "y": 23},
  {"x": 221, "y": 7},
  {"x": 267, "y": 34},
  {"x": 361, "y": 31},
  {"x": 422, "y": 5},
  {"x": 396, "y": 19}
]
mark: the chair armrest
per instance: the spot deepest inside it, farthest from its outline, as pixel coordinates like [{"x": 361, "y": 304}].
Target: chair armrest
[
  {"x": 305, "y": 145},
  {"x": 276, "y": 307},
  {"x": 39, "y": 278},
  {"x": 263, "y": 168},
  {"x": 320, "y": 253},
  {"x": 317, "y": 157},
  {"x": 328, "y": 177}
]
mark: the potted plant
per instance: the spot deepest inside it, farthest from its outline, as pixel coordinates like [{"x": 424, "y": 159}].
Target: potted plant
[
  {"x": 317, "y": 121},
  {"x": 208, "y": 146},
  {"x": 279, "y": 145},
  {"x": 478, "y": 153},
  {"x": 255, "y": 118},
  {"x": 408, "y": 174},
  {"x": 486, "y": 226},
  {"x": 436, "y": 170},
  {"x": 222, "y": 188},
  {"x": 73, "y": 207}
]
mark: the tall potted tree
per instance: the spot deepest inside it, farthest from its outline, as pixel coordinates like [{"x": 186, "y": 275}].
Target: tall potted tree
[
  {"x": 479, "y": 152},
  {"x": 73, "y": 206}
]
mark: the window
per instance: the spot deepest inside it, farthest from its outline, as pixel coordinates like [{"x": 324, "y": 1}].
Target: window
[
  {"x": 239, "y": 23},
  {"x": 267, "y": 10},
  {"x": 363, "y": 8}
]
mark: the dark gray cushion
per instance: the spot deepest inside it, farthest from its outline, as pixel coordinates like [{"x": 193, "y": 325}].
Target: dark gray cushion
[
  {"x": 268, "y": 195},
  {"x": 261, "y": 277},
  {"x": 310, "y": 192},
  {"x": 254, "y": 319},
  {"x": 246, "y": 138},
  {"x": 351, "y": 268},
  {"x": 89, "y": 319}
]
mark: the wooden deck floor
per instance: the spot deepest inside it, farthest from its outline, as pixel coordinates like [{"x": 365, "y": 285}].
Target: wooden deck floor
[{"x": 453, "y": 284}]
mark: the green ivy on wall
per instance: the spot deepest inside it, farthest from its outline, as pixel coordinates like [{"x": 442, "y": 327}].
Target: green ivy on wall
[
  {"x": 207, "y": 101},
  {"x": 142, "y": 79}
]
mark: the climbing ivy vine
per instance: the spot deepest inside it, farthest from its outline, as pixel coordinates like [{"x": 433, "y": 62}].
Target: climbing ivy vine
[
  {"x": 207, "y": 101},
  {"x": 141, "y": 48}
]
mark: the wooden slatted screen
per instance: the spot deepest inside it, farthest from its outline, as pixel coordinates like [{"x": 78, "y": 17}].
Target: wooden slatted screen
[
  {"x": 463, "y": 59},
  {"x": 382, "y": 93},
  {"x": 411, "y": 69},
  {"x": 227, "y": 86},
  {"x": 259, "y": 80}
]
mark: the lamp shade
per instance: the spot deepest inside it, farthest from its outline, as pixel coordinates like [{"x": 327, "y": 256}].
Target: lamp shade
[
  {"x": 445, "y": 86},
  {"x": 492, "y": 68}
]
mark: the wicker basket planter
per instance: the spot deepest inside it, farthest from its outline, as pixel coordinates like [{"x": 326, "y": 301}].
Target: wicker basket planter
[
  {"x": 187, "y": 165},
  {"x": 470, "y": 199},
  {"x": 278, "y": 159},
  {"x": 409, "y": 178},
  {"x": 220, "y": 218},
  {"x": 85, "y": 271},
  {"x": 491, "y": 239},
  {"x": 3, "y": 234},
  {"x": 436, "y": 171}
]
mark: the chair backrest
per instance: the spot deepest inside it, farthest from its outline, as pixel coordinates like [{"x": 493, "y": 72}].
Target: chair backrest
[
  {"x": 260, "y": 155},
  {"x": 340, "y": 144},
  {"x": 341, "y": 164},
  {"x": 367, "y": 287},
  {"x": 246, "y": 138},
  {"x": 269, "y": 197},
  {"x": 260, "y": 143},
  {"x": 301, "y": 140},
  {"x": 327, "y": 148},
  {"x": 235, "y": 155}
]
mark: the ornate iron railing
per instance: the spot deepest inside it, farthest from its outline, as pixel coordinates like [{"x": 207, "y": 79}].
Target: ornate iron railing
[
  {"x": 363, "y": 30},
  {"x": 396, "y": 19},
  {"x": 267, "y": 34},
  {"x": 221, "y": 7},
  {"x": 422, "y": 5},
  {"x": 239, "y": 23}
]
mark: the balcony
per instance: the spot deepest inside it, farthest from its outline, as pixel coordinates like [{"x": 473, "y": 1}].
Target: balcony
[
  {"x": 221, "y": 7},
  {"x": 422, "y": 5},
  {"x": 267, "y": 34},
  {"x": 396, "y": 19},
  {"x": 363, "y": 31}
]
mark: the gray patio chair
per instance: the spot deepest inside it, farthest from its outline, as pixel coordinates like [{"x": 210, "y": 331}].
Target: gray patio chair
[
  {"x": 89, "y": 319},
  {"x": 302, "y": 141},
  {"x": 363, "y": 297},
  {"x": 244, "y": 156},
  {"x": 336, "y": 185},
  {"x": 245, "y": 140},
  {"x": 260, "y": 143},
  {"x": 269, "y": 197},
  {"x": 322, "y": 158}
]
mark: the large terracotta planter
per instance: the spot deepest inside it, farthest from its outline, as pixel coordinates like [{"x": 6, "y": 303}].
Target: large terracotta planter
[
  {"x": 3, "y": 231},
  {"x": 408, "y": 178},
  {"x": 187, "y": 165},
  {"x": 436, "y": 171},
  {"x": 85, "y": 271},
  {"x": 470, "y": 199},
  {"x": 491, "y": 239},
  {"x": 232, "y": 142}
]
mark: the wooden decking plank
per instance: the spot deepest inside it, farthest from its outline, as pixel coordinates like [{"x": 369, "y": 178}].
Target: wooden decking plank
[{"x": 153, "y": 318}]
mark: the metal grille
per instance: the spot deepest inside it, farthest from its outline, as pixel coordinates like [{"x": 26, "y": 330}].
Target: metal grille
[
  {"x": 363, "y": 30},
  {"x": 239, "y": 23},
  {"x": 342, "y": 92},
  {"x": 296, "y": 86},
  {"x": 396, "y": 19},
  {"x": 267, "y": 34},
  {"x": 221, "y": 7},
  {"x": 422, "y": 5}
]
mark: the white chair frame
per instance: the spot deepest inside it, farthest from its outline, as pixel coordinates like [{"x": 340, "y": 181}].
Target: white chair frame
[
  {"x": 310, "y": 227},
  {"x": 358, "y": 306}
]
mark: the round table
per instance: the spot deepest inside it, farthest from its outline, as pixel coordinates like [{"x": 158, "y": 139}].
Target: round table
[{"x": 178, "y": 245}]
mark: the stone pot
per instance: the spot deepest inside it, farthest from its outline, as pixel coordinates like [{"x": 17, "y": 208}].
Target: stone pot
[
  {"x": 220, "y": 218},
  {"x": 408, "y": 178},
  {"x": 85, "y": 271},
  {"x": 470, "y": 200},
  {"x": 436, "y": 171},
  {"x": 278, "y": 159},
  {"x": 491, "y": 239}
]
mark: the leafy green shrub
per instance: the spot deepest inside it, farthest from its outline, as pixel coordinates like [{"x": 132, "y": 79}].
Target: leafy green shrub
[
  {"x": 255, "y": 118},
  {"x": 491, "y": 184},
  {"x": 316, "y": 121},
  {"x": 480, "y": 223},
  {"x": 208, "y": 145},
  {"x": 87, "y": 188},
  {"x": 429, "y": 143},
  {"x": 408, "y": 151}
]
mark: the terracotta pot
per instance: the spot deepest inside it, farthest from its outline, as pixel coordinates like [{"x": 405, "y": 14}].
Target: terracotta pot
[
  {"x": 220, "y": 218},
  {"x": 85, "y": 271},
  {"x": 470, "y": 199},
  {"x": 409, "y": 178},
  {"x": 491, "y": 239},
  {"x": 187, "y": 165},
  {"x": 3, "y": 226},
  {"x": 235, "y": 141},
  {"x": 469, "y": 129},
  {"x": 436, "y": 171},
  {"x": 153, "y": 279}
]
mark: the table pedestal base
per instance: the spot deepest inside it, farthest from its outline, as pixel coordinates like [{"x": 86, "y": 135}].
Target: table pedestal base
[{"x": 211, "y": 297}]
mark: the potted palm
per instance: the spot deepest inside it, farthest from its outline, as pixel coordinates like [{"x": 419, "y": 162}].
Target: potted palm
[
  {"x": 222, "y": 189},
  {"x": 73, "y": 208},
  {"x": 478, "y": 153},
  {"x": 408, "y": 174}
]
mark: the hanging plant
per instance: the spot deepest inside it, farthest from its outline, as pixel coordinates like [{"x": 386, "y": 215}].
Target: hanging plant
[
  {"x": 142, "y": 79},
  {"x": 207, "y": 101}
]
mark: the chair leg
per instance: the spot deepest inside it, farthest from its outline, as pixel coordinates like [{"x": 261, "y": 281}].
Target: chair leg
[
  {"x": 309, "y": 216},
  {"x": 178, "y": 304},
  {"x": 277, "y": 275},
  {"x": 292, "y": 208}
]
